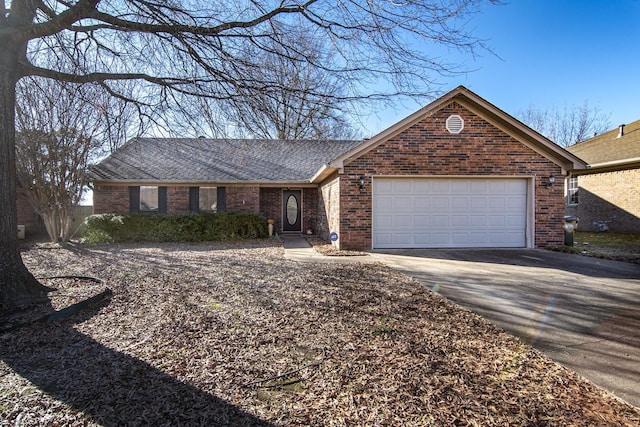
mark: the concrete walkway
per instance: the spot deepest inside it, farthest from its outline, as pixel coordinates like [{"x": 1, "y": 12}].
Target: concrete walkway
[{"x": 296, "y": 248}]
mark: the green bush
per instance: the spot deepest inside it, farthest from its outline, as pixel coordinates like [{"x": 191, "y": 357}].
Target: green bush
[{"x": 204, "y": 227}]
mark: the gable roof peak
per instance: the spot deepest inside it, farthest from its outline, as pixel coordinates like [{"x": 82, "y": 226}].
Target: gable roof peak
[{"x": 481, "y": 107}]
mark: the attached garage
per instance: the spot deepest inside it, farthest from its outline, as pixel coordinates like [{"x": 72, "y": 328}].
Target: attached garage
[
  {"x": 449, "y": 212},
  {"x": 458, "y": 173}
]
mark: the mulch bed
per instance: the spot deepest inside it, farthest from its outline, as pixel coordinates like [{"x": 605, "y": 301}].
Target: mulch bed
[
  {"x": 237, "y": 335},
  {"x": 326, "y": 248}
]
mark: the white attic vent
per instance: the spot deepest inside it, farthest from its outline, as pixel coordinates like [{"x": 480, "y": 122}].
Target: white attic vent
[{"x": 455, "y": 124}]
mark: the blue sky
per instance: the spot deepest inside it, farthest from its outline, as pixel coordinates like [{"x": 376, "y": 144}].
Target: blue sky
[{"x": 552, "y": 53}]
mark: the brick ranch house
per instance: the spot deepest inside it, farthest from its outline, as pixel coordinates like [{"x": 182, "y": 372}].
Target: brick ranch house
[
  {"x": 609, "y": 189},
  {"x": 459, "y": 172}
]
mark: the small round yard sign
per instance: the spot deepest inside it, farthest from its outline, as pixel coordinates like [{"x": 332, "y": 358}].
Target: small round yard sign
[{"x": 333, "y": 236}]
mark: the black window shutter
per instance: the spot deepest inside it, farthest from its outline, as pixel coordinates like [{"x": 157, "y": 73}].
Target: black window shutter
[
  {"x": 162, "y": 200},
  {"x": 134, "y": 199},
  {"x": 194, "y": 199},
  {"x": 222, "y": 199}
]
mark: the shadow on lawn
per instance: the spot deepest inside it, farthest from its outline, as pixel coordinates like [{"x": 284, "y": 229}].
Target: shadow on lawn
[{"x": 110, "y": 387}]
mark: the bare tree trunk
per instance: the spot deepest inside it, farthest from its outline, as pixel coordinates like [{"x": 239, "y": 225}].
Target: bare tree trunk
[
  {"x": 17, "y": 285},
  {"x": 57, "y": 222},
  {"x": 50, "y": 224},
  {"x": 66, "y": 219}
]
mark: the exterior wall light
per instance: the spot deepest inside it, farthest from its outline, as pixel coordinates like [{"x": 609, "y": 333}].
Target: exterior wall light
[
  {"x": 361, "y": 185},
  {"x": 550, "y": 181}
]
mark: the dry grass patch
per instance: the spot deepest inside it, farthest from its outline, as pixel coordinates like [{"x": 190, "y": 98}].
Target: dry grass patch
[{"x": 237, "y": 335}]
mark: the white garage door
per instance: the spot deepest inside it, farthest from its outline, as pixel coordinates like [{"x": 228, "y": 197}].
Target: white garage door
[{"x": 449, "y": 213}]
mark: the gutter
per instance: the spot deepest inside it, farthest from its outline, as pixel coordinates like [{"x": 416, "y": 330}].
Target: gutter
[
  {"x": 322, "y": 172},
  {"x": 614, "y": 163}
]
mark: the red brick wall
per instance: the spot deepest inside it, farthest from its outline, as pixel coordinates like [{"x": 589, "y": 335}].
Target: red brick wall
[
  {"x": 177, "y": 200},
  {"x": 428, "y": 149},
  {"x": 115, "y": 199},
  {"x": 329, "y": 208},
  {"x": 613, "y": 197},
  {"x": 29, "y": 218},
  {"x": 309, "y": 210},
  {"x": 111, "y": 199},
  {"x": 243, "y": 199},
  {"x": 271, "y": 206}
]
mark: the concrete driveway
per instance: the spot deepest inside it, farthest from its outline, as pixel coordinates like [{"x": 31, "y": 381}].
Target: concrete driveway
[{"x": 583, "y": 312}]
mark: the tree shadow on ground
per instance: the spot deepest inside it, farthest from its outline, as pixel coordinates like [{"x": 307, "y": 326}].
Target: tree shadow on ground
[{"x": 111, "y": 388}]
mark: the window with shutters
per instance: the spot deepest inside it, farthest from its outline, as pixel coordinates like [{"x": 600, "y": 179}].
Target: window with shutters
[
  {"x": 208, "y": 199},
  {"x": 149, "y": 199}
]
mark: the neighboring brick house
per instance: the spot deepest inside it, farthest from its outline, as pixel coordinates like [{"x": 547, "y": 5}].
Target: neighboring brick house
[
  {"x": 458, "y": 173},
  {"x": 608, "y": 191},
  {"x": 28, "y": 217}
]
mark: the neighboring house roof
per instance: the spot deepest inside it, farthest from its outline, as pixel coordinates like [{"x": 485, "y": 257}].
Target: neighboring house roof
[
  {"x": 482, "y": 108},
  {"x": 217, "y": 160},
  {"x": 609, "y": 150}
]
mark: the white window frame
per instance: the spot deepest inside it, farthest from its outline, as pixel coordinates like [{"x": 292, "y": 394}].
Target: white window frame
[{"x": 573, "y": 188}]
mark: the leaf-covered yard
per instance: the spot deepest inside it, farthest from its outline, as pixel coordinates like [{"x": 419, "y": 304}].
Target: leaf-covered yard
[{"x": 237, "y": 335}]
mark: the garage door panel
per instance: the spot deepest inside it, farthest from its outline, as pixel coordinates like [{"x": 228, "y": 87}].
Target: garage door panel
[
  {"x": 477, "y": 202},
  {"x": 440, "y": 203},
  {"x": 385, "y": 222},
  {"x": 421, "y": 186},
  {"x": 439, "y": 220},
  {"x": 517, "y": 203},
  {"x": 383, "y": 204},
  {"x": 496, "y": 203},
  {"x": 440, "y": 186},
  {"x": 459, "y": 187},
  {"x": 496, "y": 221},
  {"x": 402, "y": 221},
  {"x": 420, "y": 202},
  {"x": 433, "y": 212},
  {"x": 478, "y": 221},
  {"x": 383, "y": 240},
  {"x": 403, "y": 187},
  {"x": 421, "y": 221},
  {"x": 422, "y": 238},
  {"x": 403, "y": 239},
  {"x": 478, "y": 186},
  {"x": 515, "y": 222},
  {"x": 478, "y": 238},
  {"x": 458, "y": 203},
  {"x": 402, "y": 204},
  {"x": 439, "y": 239},
  {"x": 460, "y": 221}
]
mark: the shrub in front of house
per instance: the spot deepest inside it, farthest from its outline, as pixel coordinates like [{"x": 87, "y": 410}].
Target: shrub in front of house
[{"x": 204, "y": 227}]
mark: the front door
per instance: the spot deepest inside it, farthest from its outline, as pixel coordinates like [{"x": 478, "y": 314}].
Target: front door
[{"x": 292, "y": 211}]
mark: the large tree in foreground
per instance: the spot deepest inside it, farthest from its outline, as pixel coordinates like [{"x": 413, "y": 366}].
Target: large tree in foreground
[{"x": 191, "y": 47}]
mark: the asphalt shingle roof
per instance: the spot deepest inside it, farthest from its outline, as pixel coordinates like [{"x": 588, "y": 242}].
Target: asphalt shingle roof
[
  {"x": 607, "y": 147},
  {"x": 218, "y": 160}
]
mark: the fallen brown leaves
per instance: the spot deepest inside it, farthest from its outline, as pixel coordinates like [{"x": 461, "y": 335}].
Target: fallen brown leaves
[{"x": 237, "y": 335}]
